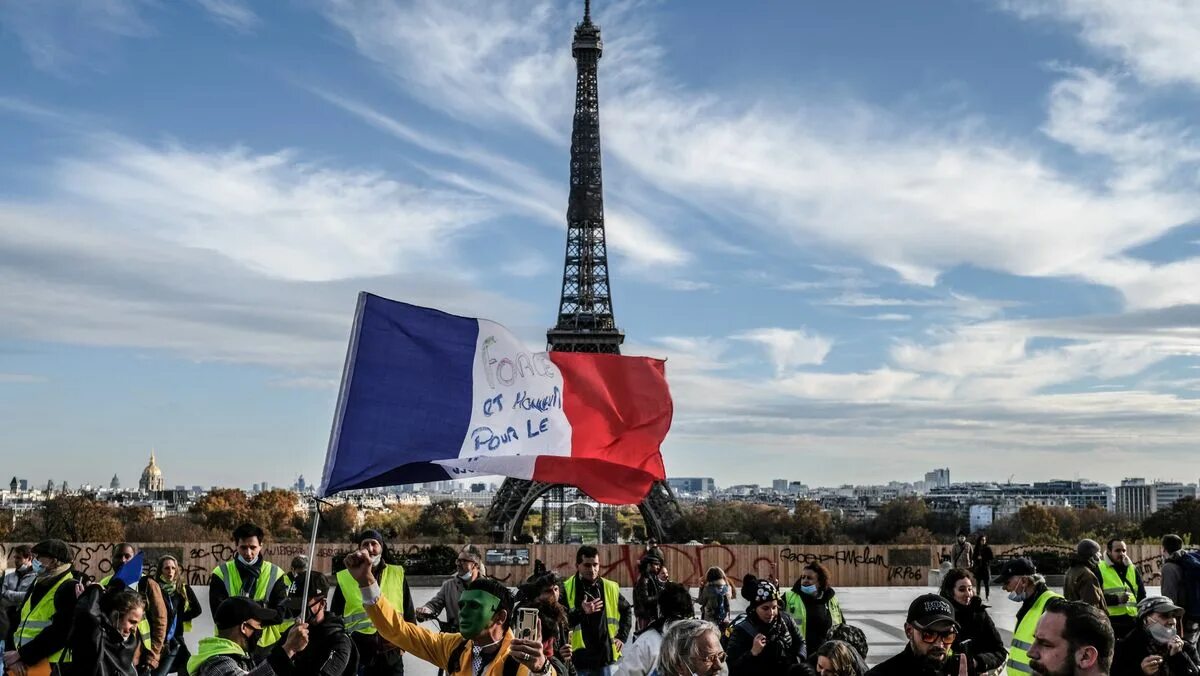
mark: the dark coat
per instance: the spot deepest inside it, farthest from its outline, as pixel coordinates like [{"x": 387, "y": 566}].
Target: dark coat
[
  {"x": 818, "y": 620},
  {"x": 1137, "y": 645},
  {"x": 53, "y": 638},
  {"x": 907, "y": 663},
  {"x": 97, "y": 649},
  {"x": 986, "y": 649},
  {"x": 330, "y": 651},
  {"x": 785, "y": 646}
]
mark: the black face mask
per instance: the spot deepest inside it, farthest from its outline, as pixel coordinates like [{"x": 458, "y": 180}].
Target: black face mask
[{"x": 252, "y": 639}]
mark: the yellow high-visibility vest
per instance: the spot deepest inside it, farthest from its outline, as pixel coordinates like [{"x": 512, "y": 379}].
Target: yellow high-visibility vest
[
  {"x": 612, "y": 594},
  {"x": 1022, "y": 640},
  {"x": 1114, "y": 586},
  {"x": 391, "y": 586},
  {"x": 35, "y": 619}
]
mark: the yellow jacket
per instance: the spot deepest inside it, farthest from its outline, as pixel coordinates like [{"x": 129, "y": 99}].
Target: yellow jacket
[{"x": 434, "y": 647}]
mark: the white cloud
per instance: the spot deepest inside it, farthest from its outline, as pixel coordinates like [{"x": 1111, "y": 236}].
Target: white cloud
[
  {"x": 1157, "y": 38},
  {"x": 789, "y": 348},
  {"x": 233, "y": 13},
  {"x": 273, "y": 213},
  {"x": 59, "y": 35}
]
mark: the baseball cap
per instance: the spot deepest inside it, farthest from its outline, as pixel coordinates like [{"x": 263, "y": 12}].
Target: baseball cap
[
  {"x": 237, "y": 609},
  {"x": 1016, "y": 568},
  {"x": 1157, "y": 604},
  {"x": 318, "y": 588},
  {"x": 929, "y": 609}
]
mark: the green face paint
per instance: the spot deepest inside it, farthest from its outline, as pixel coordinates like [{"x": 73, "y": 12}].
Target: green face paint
[{"x": 475, "y": 611}]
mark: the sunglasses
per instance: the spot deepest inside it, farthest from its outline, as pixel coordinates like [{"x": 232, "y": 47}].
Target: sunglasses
[{"x": 946, "y": 636}]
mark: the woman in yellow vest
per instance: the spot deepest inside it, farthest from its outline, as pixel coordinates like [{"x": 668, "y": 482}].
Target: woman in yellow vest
[
  {"x": 182, "y": 608},
  {"x": 813, "y": 604},
  {"x": 1020, "y": 579},
  {"x": 45, "y": 620}
]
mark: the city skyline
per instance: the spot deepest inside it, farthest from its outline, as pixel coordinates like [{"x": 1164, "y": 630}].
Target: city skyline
[{"x": 953, "y": 235}]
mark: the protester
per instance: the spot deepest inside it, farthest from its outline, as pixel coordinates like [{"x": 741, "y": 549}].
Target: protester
[
  {"x": 182, "y": 608},
  {"x": 962, "y": 554},
  {"x": 599, "y": 615},
  {"x": 647, "y": 587},
  {"x": 848, "y": 633},
  {"x": 640, "y": 657},
  {"x": 765, "y": 641},
  {"x": 692, "y": 648},
  {"x": 985, "y": 650},
  {"x": 541, "y": 591},
  {"x": 838, "y": 658},
  {"x": 376, "y": 655},
  {"x": 240, "y": 625},
  {"x": 47, "y": 611},
  {"x": 330, "y": 651},
  {"x": 1177, "y": 584},
  {"x": 106, "y": 638},
  {"x": 982, "y": 566},
  {"x": 247, "y": 574},
  {"x": 468, "y": 570},
  {"x": 1020, "y": 579},
  {"x": 1154, "y": 646},
  {"x": 1083, "y": 577},
  {"x": 16, "y": 584},
  {"x": 153, "y": 627},
  {"x": 1123, "y": 587},
  {"x": 1072, "y": 638},
  {"x": 483, "y": 644},
  {"x": 813, "y": 604},
  {"x": 931, "y": 629},
  {"x": 715, "y": 596},
  {"x": 297, "y": 570}
]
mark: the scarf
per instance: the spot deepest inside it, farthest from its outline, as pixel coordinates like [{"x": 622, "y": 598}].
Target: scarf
[{"x": 168, "y": 588}]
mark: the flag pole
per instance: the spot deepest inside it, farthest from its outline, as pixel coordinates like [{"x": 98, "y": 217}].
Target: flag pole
[{"x": 312, "y": 559}]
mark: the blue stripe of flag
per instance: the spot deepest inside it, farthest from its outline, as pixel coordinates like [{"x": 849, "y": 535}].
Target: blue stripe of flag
[{"x": 405, "y": 398}]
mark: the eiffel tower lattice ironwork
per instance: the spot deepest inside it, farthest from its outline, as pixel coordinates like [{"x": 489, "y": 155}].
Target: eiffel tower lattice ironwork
[{"x": 585, "y": 314}]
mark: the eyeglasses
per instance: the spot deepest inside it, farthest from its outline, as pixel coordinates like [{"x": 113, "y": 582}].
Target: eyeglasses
[
  {"x": 715, "y": 658},
  {"x": 464, "y": 561}
]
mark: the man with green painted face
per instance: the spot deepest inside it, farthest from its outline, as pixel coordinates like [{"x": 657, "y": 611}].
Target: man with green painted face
[{"x": 484, "y": 645}]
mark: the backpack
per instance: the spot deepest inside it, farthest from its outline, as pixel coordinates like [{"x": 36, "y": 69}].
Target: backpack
[{"x": 1189, "y": 561}]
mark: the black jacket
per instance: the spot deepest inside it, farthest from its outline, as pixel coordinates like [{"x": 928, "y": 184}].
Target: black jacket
[
  {"x": 176, "y": 614},
  {"x": 986, "y": 649},
  {"x": 330, "y": 651},
  {"x": 371, "y": 646},
  {"x": 1137, "y": 645},
  {"x": 52, "y": 638},
  {"x": 907, "y": 663},
  {"x": 785, "y": 646},
  {"x": 97, "y": 649}
]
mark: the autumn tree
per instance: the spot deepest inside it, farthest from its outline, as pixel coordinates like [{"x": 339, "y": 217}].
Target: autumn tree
[
  {"x": 171, "y": 529},
  {"x": 813, "y": 525},
  {"x": 222, "y": 509},
  {"x": 915, "y": 535},
  {"x": 130, "y": 515},
  {"x": 446, "y": 521},
  {"x": 1037, "y": 523},
  {"x": 73, "y": 518},
  {"x": 275, "y": 511},
  {"x": 1181, "y": 518},
  {"x": 338, "y": 523},
  {"x": 396, "y": 523}
]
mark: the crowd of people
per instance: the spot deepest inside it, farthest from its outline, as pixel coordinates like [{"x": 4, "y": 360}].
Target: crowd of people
[{"x": 362, "y": 621}]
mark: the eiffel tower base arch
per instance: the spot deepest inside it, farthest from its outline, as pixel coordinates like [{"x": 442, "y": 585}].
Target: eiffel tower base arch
[{"x": 513, "y": 501}]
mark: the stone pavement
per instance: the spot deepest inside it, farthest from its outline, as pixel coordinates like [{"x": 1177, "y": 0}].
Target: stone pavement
[{"x": 878, "y": 611}]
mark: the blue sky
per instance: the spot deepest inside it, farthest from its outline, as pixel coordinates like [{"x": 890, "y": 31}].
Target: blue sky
[{"x": 870, "y": 238}]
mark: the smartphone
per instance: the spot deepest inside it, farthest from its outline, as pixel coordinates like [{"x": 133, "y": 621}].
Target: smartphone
[{"x": 527, "y": 620}]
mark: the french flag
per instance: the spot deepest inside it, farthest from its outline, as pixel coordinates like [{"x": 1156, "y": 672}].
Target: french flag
[{"x": 430, "y": 396}]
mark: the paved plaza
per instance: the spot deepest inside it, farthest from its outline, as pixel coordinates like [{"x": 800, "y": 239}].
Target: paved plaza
[{"x": 878, "y": 611}]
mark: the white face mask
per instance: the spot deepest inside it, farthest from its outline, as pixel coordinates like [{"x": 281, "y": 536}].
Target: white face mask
[
  {"x": 1161, "y": 632},
  {"x": 251, "y": 562}
]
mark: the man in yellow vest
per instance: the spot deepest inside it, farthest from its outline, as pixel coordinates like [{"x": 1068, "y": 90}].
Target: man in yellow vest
[
  {"x": 599, "y": 616},
  {"x": 247, "y": 574},
  {"x": 1123, "y": 587},
  {"x": 48, "y": 611},
  {"x": 1019, "y": 577},
  {"x": 240, "y": 624},
  {"x": 153, "y": 627},
  {"x": 483, "y": 646},
  {"x": 1073, "y": 638},
  {"x": 377, "y": 656}
]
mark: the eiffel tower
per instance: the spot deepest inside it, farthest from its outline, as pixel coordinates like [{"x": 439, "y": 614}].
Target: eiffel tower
[{"x": 585, "y": 313}]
